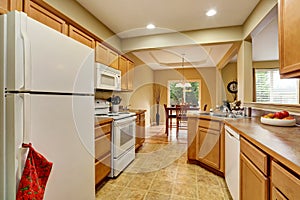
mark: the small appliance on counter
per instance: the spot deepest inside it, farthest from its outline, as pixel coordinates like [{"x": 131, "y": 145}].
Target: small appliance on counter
[{"x": 101, "y": 107}]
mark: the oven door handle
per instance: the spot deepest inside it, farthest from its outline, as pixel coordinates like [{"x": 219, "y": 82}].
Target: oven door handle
[{"x": 125, "y": 121}]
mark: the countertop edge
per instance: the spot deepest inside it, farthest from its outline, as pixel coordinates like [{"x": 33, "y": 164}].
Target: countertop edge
[{"x": 271, "y": 152}]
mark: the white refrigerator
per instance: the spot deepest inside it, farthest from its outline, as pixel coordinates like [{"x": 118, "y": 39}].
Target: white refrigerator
[{"x": 47, "y": 98}]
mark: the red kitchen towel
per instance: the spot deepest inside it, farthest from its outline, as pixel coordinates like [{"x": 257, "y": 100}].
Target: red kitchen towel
[{"x": 35, "y": 176}]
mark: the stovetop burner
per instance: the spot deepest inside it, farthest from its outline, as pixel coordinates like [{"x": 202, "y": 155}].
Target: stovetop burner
[{"x": 117, "y": 116}]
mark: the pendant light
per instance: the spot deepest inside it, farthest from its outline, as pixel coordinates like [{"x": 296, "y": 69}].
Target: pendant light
[{"x": 183, "y": 84}]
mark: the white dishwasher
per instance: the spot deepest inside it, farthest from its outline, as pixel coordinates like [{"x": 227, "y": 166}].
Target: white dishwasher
[{"x": 232, "y": 162}]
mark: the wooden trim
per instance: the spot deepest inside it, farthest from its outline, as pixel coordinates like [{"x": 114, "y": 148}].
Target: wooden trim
[{"x": 229, "y": 55}]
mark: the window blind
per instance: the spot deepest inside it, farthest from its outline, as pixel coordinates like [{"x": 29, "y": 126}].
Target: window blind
[{"x": 270, "y": 88}]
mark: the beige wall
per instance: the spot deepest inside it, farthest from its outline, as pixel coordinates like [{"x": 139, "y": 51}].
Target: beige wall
[
  {"x": 229, "y": 73},
  {"x": 76, "y": 12}
]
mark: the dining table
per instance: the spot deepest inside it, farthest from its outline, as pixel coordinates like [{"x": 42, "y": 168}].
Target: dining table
[{"x": 171, "y": 111}]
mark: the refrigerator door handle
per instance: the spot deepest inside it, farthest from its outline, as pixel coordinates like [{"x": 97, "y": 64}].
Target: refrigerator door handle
[
  {"x": 26, "y": 117},
  {"x": 26, "y": 56}
]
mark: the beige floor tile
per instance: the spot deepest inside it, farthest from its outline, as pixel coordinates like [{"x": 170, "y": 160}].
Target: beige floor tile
[
  {"x": 186, "y": 178},
  {"x": 132, "y": 194},
  {"x": 122, "y": 180},
  {"x": 164, "y": 187},
  {"x": 161, "y": 172},
  {"x": 157, "y": 196},
  {"x": 188, "y": 190},
  {"x": 109, "y": 191},
  {"x": 210, "y": 193},
  {"x": 211, "y": 181}
]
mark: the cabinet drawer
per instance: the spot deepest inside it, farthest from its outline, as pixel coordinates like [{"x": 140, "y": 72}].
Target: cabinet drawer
[
  {"x": 285, "y": 182},
  {"x": 209, "y": 124},
  {"x": 102, "y": 168},
  {"x": 258, "y": 158},
  {"x": 102, "y": 146},
  {"x": 102, "y": 130}
]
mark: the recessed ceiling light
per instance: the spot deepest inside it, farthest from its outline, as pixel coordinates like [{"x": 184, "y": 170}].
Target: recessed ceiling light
[
  {"x": 150, "y": 26},
  {"x": 211, "y": 12}
]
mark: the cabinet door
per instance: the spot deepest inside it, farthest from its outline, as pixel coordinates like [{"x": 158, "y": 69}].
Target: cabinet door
[
  {"x": 289, "y": 43},
  {"x": 113, "y": 59},
  {"x": 276, "y": 195},
  {"x": 130, "y": 74},
  {"x": 81, "y": 37},
  {"x": 209, "y": 147},
  {"x": 123, "y": 68},
  {"x": 42, "y": 15},
  {"x": 254, "y": 185},
  {"x": 101, "y": 53},
  {"x": 287, "y": 183},
  {"x": 9, "y": 5}
]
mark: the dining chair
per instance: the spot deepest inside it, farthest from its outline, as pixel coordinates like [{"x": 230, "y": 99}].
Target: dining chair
[
  {"x": 169, "y": 117},
  {"x": 181, "y": 117}
]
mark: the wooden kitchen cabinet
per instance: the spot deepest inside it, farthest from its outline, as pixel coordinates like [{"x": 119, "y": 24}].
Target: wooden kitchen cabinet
[
  {"x": 9, "y": 5},
  {"x": 254, "y": 179},
  {"x": 130, "y": 75},
  {"x": 289, "y": 42},
  {"x": 106, "y": 56},
  {"x": 113, "y": 59},
  {"x": 44, "y": 16},
  {"x": 206, "y": 143},
  {"x": 285, "y": 185},
  {"x": 81, "y": 37},
  {"x": 140, "y": 130},
  {"x": 102, "y": 150},
  {"x": 123, "y": 67}
]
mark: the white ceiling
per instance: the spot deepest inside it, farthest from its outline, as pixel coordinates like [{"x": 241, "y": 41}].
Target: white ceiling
[{"x": 129, "y": 18}]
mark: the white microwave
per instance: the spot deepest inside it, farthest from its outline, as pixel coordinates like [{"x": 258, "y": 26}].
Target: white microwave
[{"x": 107, "y": 78}]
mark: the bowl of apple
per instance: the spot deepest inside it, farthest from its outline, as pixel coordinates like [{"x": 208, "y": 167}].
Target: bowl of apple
[{"x": 282, "y": 118}]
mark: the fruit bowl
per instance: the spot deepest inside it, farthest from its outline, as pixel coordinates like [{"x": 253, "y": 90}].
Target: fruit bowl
[{"x": 278, "y": 122}]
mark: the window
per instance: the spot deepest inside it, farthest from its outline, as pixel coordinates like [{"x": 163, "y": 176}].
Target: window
[
  {"x": 270, "y": 88},
  {"x": 184, "y": 95}
]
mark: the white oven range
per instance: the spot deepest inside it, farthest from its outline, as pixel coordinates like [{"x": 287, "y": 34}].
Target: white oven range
[
  {"x": 123, "y": 137},
  {"x": 123, "y": 143}
]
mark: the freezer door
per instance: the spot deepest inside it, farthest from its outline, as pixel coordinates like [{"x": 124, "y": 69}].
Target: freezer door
[
  {"x": 44, "y": 60},
  {"x": 61, "y": 128}
]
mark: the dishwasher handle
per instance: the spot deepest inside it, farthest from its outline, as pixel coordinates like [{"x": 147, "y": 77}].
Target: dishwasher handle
[{"x": 232, "y": 133}]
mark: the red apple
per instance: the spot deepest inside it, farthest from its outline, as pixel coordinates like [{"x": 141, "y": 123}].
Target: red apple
[
  {"x": 278, "y": 115},
  {"x": 285, "y": 113}
]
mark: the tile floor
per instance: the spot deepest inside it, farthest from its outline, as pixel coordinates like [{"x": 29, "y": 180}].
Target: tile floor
[{"x": 160, "y": 171}]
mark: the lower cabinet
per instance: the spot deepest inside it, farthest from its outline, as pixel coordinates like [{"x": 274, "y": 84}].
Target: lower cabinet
[
  {"x": 285, "y": 185},
  {"x": 254, "y": 185},
  {"x": 206, "y": 143},
  {"x": 102, "y": 150},
  {"x": 254, "y": 181},
  {"x": 140, "y": 130}
]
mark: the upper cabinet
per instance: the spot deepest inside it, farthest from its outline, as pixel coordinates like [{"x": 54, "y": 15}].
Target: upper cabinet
[
  {"x": 81, "y": 36},
  {"x": 289, "y": 42},
  {"x": 127, "y": 69},
  {"x": 44, "y": 16},
  {"x": 106, "y": 56},
  {"x": 8, "y": 5}
]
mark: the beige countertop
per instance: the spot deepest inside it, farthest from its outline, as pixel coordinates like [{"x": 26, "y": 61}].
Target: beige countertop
[{"x": 281, "y": 143}]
